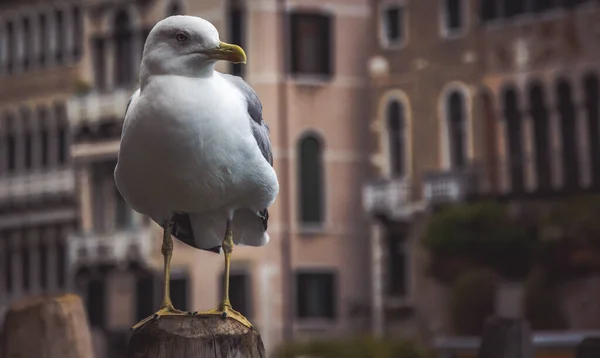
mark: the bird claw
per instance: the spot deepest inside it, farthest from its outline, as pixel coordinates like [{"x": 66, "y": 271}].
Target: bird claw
[
  {"x": 163, "y": 311},
  {"x": 225, "y": 311}
]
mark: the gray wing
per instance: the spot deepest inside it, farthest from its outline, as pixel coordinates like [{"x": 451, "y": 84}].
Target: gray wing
[{"x": 260, "y": 129}]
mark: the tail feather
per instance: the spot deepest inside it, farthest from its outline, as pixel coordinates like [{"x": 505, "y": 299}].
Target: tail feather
[{"x": 248, "y": 229}]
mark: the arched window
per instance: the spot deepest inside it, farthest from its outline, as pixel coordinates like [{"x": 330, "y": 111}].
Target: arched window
[
  {"x": 123, "y": 50},
  {"x": 592, "y": 96},
  {"x": 568, "y": 130},
  {"x": 27, "y": 41},
  {"x": 236, "y": 21},
  {"x": 311, "y": 180},
  {"x": 27, "y": 125},
  {"x": 488, "y": 9},
  {"x": 60, "y": 35},
  {"x": 514, "y": 140},
  {"x": 63, "y": 132},
  {"x": 77, "y": 23},
  {"x": 541, "y": 132},
  {"x": 456, "y": 124},
  {"x": 396, "y": 135},
  {"x": 42, "y": 115},
  {"x": 11, "y": 47},
  {"x": 43, "y": 40},
  {"x": 11, "y": 144},
  {"x": 490, "y": 137}
]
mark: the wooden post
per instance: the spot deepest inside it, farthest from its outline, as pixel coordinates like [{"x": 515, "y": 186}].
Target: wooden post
[
  {"x": 589, "y": 348},
  {"x": 47, "y": 326},
  {"x": 195, "y": 337},
  {"x": 506, "y": 338}
]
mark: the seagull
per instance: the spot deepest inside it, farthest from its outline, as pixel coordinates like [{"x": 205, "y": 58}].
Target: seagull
[{"x": 195, "y": 154}]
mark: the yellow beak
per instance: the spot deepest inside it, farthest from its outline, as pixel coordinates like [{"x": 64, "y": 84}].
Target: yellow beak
[{"x": 228, "y": 52}]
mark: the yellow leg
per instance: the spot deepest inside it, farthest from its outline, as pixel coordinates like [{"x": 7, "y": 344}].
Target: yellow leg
[
  {"x": 225, "y": 310},
  {"x": 166, "y": 309}
]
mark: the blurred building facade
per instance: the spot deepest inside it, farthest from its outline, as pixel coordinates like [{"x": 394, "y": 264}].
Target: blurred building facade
[
  {"x": 38, "y": 208},
  {"x": 492, "y": 99},
  {"x": 67, "y": 71}
]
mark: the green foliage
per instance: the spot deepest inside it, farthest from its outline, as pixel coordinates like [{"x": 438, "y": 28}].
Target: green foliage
[
  {"x": 472, "y": 301},
  {"x": 570, "y": 238},
  {"x": 542, "y": 302},
  {"x": 353, "y": 348},
  {"x": 82, "y": 87},
  {"x": 472, "y": 235}
]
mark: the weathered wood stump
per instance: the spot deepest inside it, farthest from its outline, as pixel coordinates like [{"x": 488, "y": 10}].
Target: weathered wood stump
[
  {"x": 195, "y": 337},
  {"x": 47, "y": 327}
]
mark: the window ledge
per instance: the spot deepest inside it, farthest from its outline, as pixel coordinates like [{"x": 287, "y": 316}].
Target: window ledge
[
  {"x": 310, "y": 80},
  {"x": 311, "y": 229},
  {"x": 399, "y": 302},
  {"x": 393, "y": 45},
  {"x": 315, "y": 324}
]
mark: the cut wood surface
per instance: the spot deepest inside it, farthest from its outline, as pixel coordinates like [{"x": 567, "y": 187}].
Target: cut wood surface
[
  {"x": 195, "y": 336},
  {"x": 47, "y": 327}
]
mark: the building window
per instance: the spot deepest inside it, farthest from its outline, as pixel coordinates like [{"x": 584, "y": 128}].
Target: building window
[
  {"x": 44, "y": 136},
  {"x": 145, "y": 296},
  {"x": 43, "y": 40},
  {"x": 61, "y": 264},
  {"x": 568, "y": 130},
  {"x": 311, "y": 44},
  {"x": 514, "y": 143},
  {"x": 311, "y": 180},
  {"x": 43, "y": 267},
  {"x": 513, "y": 7},
  {"x": 27, "y": 41},
  {"x": 62, "y": 133},
  {"x": 489, "y": 9},
  {"x": 11, "y": 144},
  {"x": 237, "y": 23},
  {"x": 452, "y": 17},
  {"x": 77, "y": 32},
  {"x": 96, "y": 302},
  {"x": 397, "y": 265},
  {"x": 592, "y": 96},
  {"x": 543, "y": 5},
  {"x": 175, "y": 9},
  {"x": 25, "y": 267},
  {"x": 541, "y": 130},
  {"x": 180, "y": 292},
  {"x": 393, "y": 26},
  {"x": 239, "y": 292},
  {"x": 457, "y": 128},
  {"x": 396, "y": 135},
  {"x": 123, "y": 50},
  {"x": 60, "y": 35},
  {"x": 99, "y": 52},
  {"x": 11, "y": 47},
  {"x": 316, "y": 295},
  {"x": 8, "y": 265}
]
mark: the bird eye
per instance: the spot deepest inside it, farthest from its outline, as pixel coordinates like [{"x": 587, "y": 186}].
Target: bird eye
[{"x": 181, "y": 37}]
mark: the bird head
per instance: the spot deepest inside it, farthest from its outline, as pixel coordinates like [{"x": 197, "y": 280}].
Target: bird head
[{"x": 187, "y": 46}]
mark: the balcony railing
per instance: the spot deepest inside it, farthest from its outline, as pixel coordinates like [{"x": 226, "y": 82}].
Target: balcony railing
[
  {"x": 23, "y": 187},
  {"x": 96, "y": 107},
  {"x": 449, "y": 186},
  {"x": 116, "y": 248},
  {"x": 388, "y": 197}
]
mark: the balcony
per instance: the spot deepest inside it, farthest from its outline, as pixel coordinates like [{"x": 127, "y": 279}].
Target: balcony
[
  {"x": 31, "y": 186},
  {"x": 97, "y": 107},
  {"x": 118, "y": 248},
  {"x": 449, "y": 186},
  {"x": 389, "y": 197}
]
